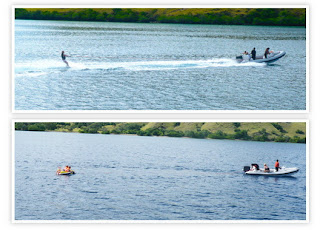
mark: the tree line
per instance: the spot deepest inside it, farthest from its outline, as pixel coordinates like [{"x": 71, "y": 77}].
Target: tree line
[
  {"x": 254, "y": 16},
  {"x": 139, "y": 129}
]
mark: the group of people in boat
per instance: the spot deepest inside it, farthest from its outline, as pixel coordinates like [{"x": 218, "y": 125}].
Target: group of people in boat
[
  {"x": 253, "y": 54},
  {"x": 67, "y": 168},
  {"x": 276, "y": 166}
]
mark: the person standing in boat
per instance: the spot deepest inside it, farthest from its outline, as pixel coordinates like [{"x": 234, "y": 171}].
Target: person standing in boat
[
  {"x": 266, "y": 52},
  {"x": 63, "y": 56},
  {"x": 253, "y": 53},
  {"x": 277, "y": 165}
]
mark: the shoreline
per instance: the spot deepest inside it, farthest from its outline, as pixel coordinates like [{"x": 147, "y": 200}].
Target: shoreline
[
  {"x": 200, "y": 16},
  {"x": 126, "y": 134},
  {"x": 163, "y": 23}
]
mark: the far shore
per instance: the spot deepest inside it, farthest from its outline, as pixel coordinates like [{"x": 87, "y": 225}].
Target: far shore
[
  {"x": 126, "y": 134},
  {"x": 213, "y": 16}
]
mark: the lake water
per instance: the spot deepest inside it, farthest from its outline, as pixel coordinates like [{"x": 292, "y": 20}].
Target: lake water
[
  {"x": 121, "y": 177},
  {"x": 131, "y": 66}
]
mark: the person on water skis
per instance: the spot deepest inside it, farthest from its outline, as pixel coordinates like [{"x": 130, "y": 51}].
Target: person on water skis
[{"x": 63, "y": 56}]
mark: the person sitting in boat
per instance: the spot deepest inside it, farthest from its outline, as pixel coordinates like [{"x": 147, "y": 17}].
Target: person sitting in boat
[
  {"x": 246, "y": 56},
  {"x": 66, "y": 169},
  {"x": 277, "y": 165},
  {"x": 266, "y": 168},
  {"x": 58, "y": 170}
]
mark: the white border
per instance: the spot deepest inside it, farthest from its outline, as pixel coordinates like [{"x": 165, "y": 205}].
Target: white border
[
  {"x": 160, "y": 221},
  {"x": 13, "y": 110}
]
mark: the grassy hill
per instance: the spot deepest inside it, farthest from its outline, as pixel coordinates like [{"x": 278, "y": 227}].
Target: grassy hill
[
  {"x": 221, "y": 16},
  {"x": 294, "y": 132}
]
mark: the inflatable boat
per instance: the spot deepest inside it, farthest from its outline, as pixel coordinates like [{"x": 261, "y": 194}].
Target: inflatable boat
[
  {"x": 272, "y": 57},
  {"x": 66, "y": 173},
  {"x": 255, "y": 170}
]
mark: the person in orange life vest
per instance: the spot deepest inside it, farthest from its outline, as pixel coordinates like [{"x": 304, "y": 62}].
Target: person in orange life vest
[
  {"x": 67, "y": 169},
  {"x": 277, "y": 165}
]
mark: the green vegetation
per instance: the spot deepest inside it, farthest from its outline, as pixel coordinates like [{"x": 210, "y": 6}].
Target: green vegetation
[
  {"x": 293, "y": 132},
  {"x": 217, "y": 16}
]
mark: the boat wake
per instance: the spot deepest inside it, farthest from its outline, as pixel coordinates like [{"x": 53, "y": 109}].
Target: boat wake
[{"x": 53, "y": 66}]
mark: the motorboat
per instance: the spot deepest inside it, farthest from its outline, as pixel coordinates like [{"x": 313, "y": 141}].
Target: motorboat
[
  {"x": 255, "y": 170},
  {"x": 272, "y": 57}
]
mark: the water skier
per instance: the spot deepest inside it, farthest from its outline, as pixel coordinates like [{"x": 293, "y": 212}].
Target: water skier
[{"x": 63, "y": 56}]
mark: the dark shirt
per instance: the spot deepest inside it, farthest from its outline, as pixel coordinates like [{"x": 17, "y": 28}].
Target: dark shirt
[
  {"x": 253, "y": 53},
  {"x": 63, "y": 56}
]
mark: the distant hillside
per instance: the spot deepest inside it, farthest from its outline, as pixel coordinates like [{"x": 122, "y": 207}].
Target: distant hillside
[
  {"x": 294, "y": 132},
  {"x": 218, "y": 16}
]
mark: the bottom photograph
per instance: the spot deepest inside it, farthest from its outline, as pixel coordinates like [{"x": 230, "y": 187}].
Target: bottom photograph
[{"x": 160, "y": 171}]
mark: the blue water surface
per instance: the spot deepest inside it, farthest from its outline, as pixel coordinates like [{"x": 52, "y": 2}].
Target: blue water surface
[
  {"x": 139, "y": 66},
  {"x": 121, "y": 177}
]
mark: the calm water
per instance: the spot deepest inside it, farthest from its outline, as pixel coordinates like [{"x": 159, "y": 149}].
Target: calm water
[
  {"x": 153, "y": 178},
  {"x": 122, "y": 66}
]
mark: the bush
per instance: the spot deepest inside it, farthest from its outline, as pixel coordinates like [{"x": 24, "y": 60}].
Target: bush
[
  {"x": 299, "y": 131},
  {"x": 297, "y": 139},
  {"x": 177, "y": 124},
  {"x": 21, "y": 126},
  {"x": 105, "y": 131},
  {"x": 282, "y": 139},
  {"x": 260, "y": 138},
  {"x": 242, "y": 134},
  {"x": 36, "y": 127},
  {"x": 237, "y": 124},
  {"x": 262, "y": 135},
  {"x": 279, "y": 127},
  {"x": 173, "y": 133},
  {"x": 218, "y": 135}
]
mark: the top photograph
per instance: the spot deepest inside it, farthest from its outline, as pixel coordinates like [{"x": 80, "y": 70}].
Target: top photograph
[{"x": 160, "y": 59}]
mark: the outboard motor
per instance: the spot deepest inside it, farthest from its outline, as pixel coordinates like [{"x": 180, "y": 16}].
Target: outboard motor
[
  {"x": 246, "y": 168},
  {"x": 239, "y": 58}
]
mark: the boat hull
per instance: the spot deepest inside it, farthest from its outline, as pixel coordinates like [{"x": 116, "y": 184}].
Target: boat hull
[
  {"x": 272, "y": 58},
  {"x": 66, "y": 173},
  {"x": 273, "y": 172}
]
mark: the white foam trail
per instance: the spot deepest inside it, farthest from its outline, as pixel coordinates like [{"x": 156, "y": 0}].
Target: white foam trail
[
  {"x": 40, "y": 65},
  {"x": 31, "y": 74},
  {"x": 43, "y": 67},
  {"x": 164, "y": 65}
]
